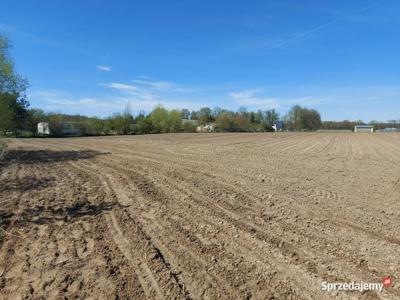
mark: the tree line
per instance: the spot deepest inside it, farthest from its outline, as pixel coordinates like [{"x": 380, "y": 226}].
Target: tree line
[
  {"x": 23, "y": 121},
  {"x": 159, "y": 120},
  {"x": 349, "y": 125},
  {"x": 162, "y": 120}
]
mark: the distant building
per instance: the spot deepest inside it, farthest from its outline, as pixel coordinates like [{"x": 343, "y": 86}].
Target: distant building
[
  {"x": 43, "y": 128},
  {"x": 364, "y": 128},
  {"x": 205, "y": 128},
  {"x": 62, "y": 128},
  {"x": 278, "y": 126}
]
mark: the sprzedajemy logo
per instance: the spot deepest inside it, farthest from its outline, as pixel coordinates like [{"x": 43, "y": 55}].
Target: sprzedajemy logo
[{"x": 357, "y": 285}]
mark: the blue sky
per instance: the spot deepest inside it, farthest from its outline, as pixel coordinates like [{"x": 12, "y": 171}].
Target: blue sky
[{"x": 94, "y": 57}]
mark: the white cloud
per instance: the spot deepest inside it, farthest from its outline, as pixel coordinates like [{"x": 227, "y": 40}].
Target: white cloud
[
  {"x": 132, "y": 92},
  {"x": 105, "y": 105},
  {"x": 305, "y": 101},
  {"x": 160, "y": 85},
  {"x": 104, "y": 68},
  {"x": 120, "y": 86},
  {"x": 147, "y": 93},
  {"x": 147, "y": 82},
  {"x": 250, "y": 98},
  {"x": 62, "y": 101},
  {"x": 244, "y": 94}
]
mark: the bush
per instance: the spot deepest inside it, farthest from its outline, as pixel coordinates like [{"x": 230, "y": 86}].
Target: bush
[{"x": 143, "y": 125}]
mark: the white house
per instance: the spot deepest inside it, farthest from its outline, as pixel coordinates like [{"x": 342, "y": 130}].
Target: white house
[
  {"x": 43, "y": 128},
  {"x": 364, "y": 128},
  {"x": 62, "y": 128},
  {"x": 205, "y": 128}
]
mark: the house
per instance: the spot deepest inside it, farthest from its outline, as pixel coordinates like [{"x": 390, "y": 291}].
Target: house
[
  {"x": 43, "y": 128},
  {"x": 59, "y": 128},
  {"x": 364, "y": 128},
  {"x": 278, "y": 126},
  {"x": 205, "y": 128}
]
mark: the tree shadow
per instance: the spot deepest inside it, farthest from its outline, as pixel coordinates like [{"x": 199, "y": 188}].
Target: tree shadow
[
  {"x": 45, "y": 215},
  {"x": 47, "y": 156},
  {"x": 25, "y": 183}
]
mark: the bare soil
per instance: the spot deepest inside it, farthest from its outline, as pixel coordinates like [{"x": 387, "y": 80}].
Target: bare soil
[{"x": 200, "y": 216}]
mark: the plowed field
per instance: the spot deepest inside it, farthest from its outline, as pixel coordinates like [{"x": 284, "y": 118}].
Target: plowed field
[{"x": 200, "y": 216}]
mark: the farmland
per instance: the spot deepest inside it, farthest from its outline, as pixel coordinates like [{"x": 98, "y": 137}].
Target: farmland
[{"x": 228, "y": 216}]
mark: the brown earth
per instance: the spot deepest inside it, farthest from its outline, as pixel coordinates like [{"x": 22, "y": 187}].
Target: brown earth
[{"x": 201, "y": 216}]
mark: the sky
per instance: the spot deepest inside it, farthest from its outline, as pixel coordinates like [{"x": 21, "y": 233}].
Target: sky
[{"x": 96, "y": 57}]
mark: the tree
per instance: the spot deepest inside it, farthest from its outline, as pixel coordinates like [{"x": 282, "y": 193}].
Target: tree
[
  {"x": 34, "y": 117},
  {"x": 189, "y": 127},
  {"x": 293, "y": 117},
  {"x": 13, "y": 104},
  {"x": 174, "y": 121},
  {"x": 309, "y": 119},
  {"x": 300, "y": 118},
  {"x": 120, "y": 123},
  {"x": 252, "y": 118},
  {"x": 204, "y": 115},
  {"x": 185, "y": 114},
  {"x": 271, "y": 117},
  {"x": 242, "y": 122},
  {"x": 13, "y": 113},
  {"x": 93, "y": 126},
  {"x": 56, "y": 124},
  {"x": 10, "y": 81},
  {"x": 194, "y": 115},
  {"x": 226, "y": 122},
  {"x": 7, "y": 115},
  {"x": 216, "y": 112},
  {"x": 144, "y": 124},
  {"x": 259, "y": 117},
  {"x": 159, "y": 119}
]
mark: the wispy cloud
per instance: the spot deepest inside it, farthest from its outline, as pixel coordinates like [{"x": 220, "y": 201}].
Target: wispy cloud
[
  {"x": 333, "y": 103},
  {"x": 105, "y": 105},
  {"x": 160, "y": 85},
  {"x": 147, "y": 82},
  {"x": 133, "y": 91},
  {"x": 120, "y": 86},
  {"x": 55, "y": 100},
  {"x": 305, "y": 33},
  {"x": 252, "y": 98},
  {"x": 104, "y": 68}
]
